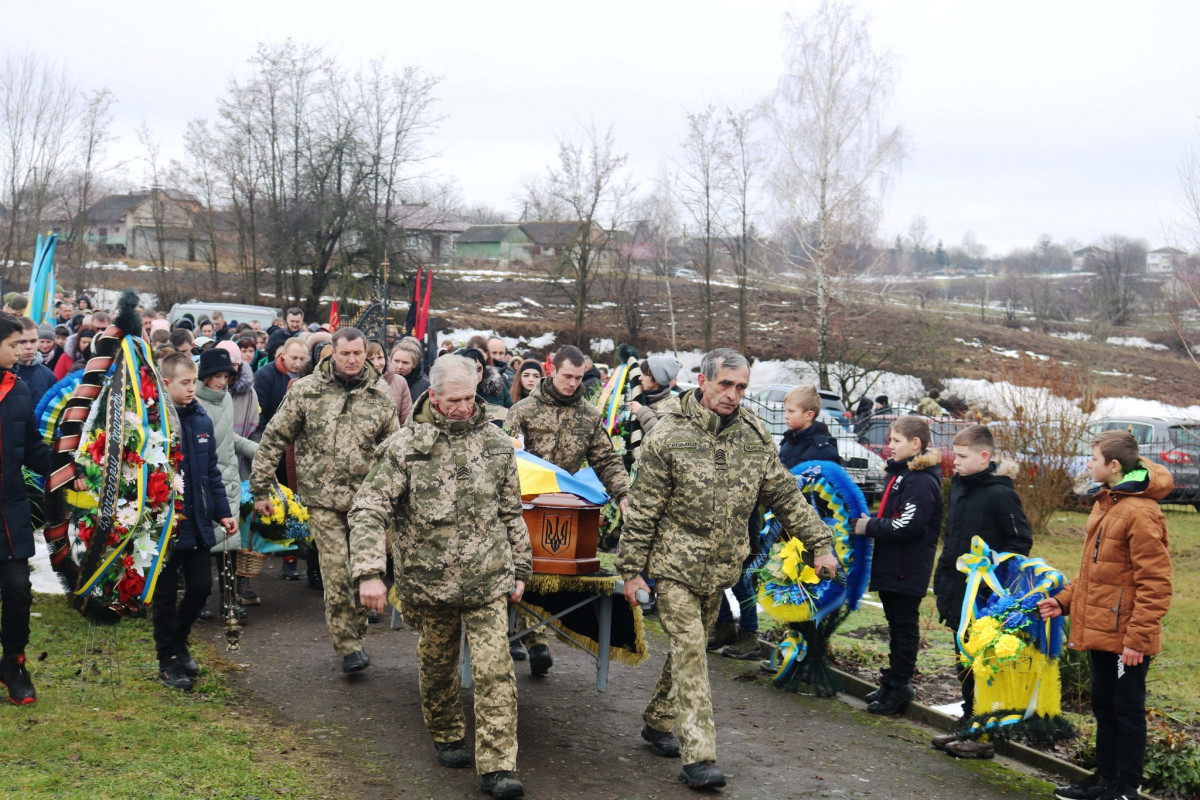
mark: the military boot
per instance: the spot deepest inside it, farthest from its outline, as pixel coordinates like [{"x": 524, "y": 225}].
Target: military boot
[
  {"x": 702, "y": 775},
  {"x": 745, "y": 647},
  {"x": 725, "y": 633},
  {"x": 502, "y": 784}
]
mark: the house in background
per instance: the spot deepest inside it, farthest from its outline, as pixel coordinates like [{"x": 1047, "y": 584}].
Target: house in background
[
  {"x": 131, "y": 225},
  {"x": 1164, "y": 260},
  {"x": 490, "y": 242},
  {"x": 1080, "y": 258},
  {"x": 430, "y": 235}
]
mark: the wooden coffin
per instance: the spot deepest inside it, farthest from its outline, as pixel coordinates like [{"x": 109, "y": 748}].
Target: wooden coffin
[{"x": 563, "y": 530}]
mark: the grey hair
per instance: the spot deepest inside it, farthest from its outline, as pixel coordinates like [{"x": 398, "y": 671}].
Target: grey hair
[
  {"x": 453, "y": 369},
  {"x": 721, "y": 358}
]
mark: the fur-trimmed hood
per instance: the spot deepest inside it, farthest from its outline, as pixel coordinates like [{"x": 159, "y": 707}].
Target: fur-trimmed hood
[
  {"x": 930, "y": 457},
  {"x": 1007, "y": 468}
]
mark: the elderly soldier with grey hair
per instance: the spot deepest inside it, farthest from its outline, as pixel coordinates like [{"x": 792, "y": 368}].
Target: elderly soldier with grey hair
[
  {"x": 559, "y": 425},
  {"x": 702, "y": 470},
  {"x": 336, "y": 417},
  {"x": 447, "y": 485}
]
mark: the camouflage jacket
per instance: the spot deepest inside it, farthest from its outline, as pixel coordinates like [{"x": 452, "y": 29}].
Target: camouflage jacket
[
  {"x": 694, "y": 488},
  {"x": 565, "y": 432},
  {"x": 335, "y": 430},
  {"x": 449, "y": 491}
]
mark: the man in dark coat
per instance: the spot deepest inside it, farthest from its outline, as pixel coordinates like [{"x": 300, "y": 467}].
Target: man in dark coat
[
  {"x": 271, "y": 381},
  {"x": 29, "y": 367},
  {"x": 20, "y": 445}
]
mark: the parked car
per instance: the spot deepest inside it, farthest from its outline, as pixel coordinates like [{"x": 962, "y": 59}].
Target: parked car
[
  {"x": 1171, "y": 441},
  {"x": 771, "y": 397},
  {"x": 686, "y": 274},
  {"x": 873, "y": 434},
  {"x": 264, "y": 315},
  {"x": 864, "y": 467}
]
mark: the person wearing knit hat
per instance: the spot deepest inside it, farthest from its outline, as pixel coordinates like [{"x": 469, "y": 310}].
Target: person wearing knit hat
[
  {"x": 46, "y": 333},
  {"x": 658, "y": 373},
  {"x": 159, "y": 325},
  {"x": 662, "y": 369},
  {"x": 47, "y": 347},
  {"x": 528, "y": 375}
]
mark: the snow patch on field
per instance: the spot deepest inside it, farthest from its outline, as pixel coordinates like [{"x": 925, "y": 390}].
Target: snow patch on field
[{"x": 1136, "y": 341}]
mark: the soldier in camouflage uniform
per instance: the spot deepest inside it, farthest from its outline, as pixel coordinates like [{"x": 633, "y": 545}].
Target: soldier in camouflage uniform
[
  {"x": 701, "y": 471},
  {"x": 336, "y": 417},
  {"x": 447, "y": 484},
  {"x": 560, "y": 426}
]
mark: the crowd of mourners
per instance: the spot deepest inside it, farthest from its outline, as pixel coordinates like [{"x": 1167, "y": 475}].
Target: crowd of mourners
[{"x": 403, "y": 457}]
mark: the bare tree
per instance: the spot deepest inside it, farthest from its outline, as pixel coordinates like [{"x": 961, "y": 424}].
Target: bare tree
[
  {"x": 38, "y": 108},
  {"x": 93, "y": 137},
  {"x": 202, "y": 171},
  {"x": 397, "y": 120},
  {"x": 1117, "y": 267},
  {"x": 742, "y": 173},
  {"x": 589, "y": 186},
  {"x": 702, "y": 190},
  {"x": 832, "y": 152}
]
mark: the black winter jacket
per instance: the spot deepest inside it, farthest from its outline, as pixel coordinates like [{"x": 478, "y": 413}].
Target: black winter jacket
[
  {"x": 417, "y": 381},
  {"x": 38, "y": 377},
  {"x": 984, "y": 504},
  {"x": 204, "y": 500},
  {"x": 270, "y": 384},
  {"x": 20, "y": 444},
  {"x": 909, "y": 523},
  {"x": 814, "y": 443}
]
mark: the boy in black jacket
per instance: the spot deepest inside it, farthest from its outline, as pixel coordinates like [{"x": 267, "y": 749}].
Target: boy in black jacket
[
  {"x": 20, "y": 444},
  {"x": 906, "y": 534},
  {"x": 204, "y": 502},
  {"x": 806, "y": 439},
  {"x": 983, "y": 502}
]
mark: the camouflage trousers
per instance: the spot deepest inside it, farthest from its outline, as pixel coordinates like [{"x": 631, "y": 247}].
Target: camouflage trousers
[
  {"x": 347, "y": 620},
  {"x": 533, "y": 638},
  {"x": 486, "y": 628},
  {"x": 682, "y": 698}
]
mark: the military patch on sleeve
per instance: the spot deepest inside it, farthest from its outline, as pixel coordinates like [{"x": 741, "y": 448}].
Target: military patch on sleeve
[
  {"x": 757, "y": 448},
  {"x": 681, "y": 445},
  {"x": 498, "y": 450}
]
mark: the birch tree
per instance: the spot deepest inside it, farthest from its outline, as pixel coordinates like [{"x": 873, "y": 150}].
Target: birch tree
[{"x": 832, "y": 152}]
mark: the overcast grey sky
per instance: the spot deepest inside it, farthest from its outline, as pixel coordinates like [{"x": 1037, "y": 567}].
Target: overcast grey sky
[{"x": 1066, "y": 118}]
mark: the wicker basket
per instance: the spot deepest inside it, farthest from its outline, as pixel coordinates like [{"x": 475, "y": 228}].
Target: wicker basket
[{"x": 250, "y": 563}]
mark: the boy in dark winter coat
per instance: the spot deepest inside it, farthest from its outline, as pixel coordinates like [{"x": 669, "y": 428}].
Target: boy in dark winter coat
[
  {"x": 806, "y": 438},
  {"x": 204, "y": 502},
  {"x": 20, "y": 445},
  {"x": 906, "y": 535},
  {"x": 1117, "y": 605},
  {"x": 983, "y": 502}
]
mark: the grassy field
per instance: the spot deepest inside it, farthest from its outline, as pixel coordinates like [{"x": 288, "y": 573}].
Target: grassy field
[
  {"x": 1171, "y": 687},
  {"x": 137, "y": 738}
]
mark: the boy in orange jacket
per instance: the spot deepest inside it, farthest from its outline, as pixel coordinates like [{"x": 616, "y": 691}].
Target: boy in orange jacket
[{"x": 1117, "y": 605}]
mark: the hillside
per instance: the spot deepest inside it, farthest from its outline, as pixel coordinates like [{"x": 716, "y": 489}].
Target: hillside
[{"x": 935, "y": 343}]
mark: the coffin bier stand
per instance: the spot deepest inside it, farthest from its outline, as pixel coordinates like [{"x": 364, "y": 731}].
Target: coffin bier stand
[{"x": 563, "y": 530}]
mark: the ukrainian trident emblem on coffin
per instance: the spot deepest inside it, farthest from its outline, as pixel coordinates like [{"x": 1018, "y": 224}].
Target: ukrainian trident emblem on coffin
[{"x": 563, "y": 530}]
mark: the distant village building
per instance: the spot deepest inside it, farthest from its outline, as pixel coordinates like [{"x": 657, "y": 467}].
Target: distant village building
[
  {"x": 430, "y": 235},
  {"x": 490, "y": 242},
  {"x": 132, "y": 225},
  {"x": 1164, "y": 260},
  {"x": 1079, "y": 258}
]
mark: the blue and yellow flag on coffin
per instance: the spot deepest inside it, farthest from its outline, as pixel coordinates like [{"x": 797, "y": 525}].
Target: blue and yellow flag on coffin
[{"x": 539, "y": 477}]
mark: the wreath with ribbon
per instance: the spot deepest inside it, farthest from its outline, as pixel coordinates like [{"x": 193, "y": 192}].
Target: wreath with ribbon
[
  {"x": 790, "y": 590},
  {"x": 1011, "y": 652},
  {"x": 119, "y": 435}
]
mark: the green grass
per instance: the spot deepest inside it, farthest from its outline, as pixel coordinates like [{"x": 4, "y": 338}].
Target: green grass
[
  {"x": 137, "y": 738},
  {"x": 1171, "y": 686}
]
